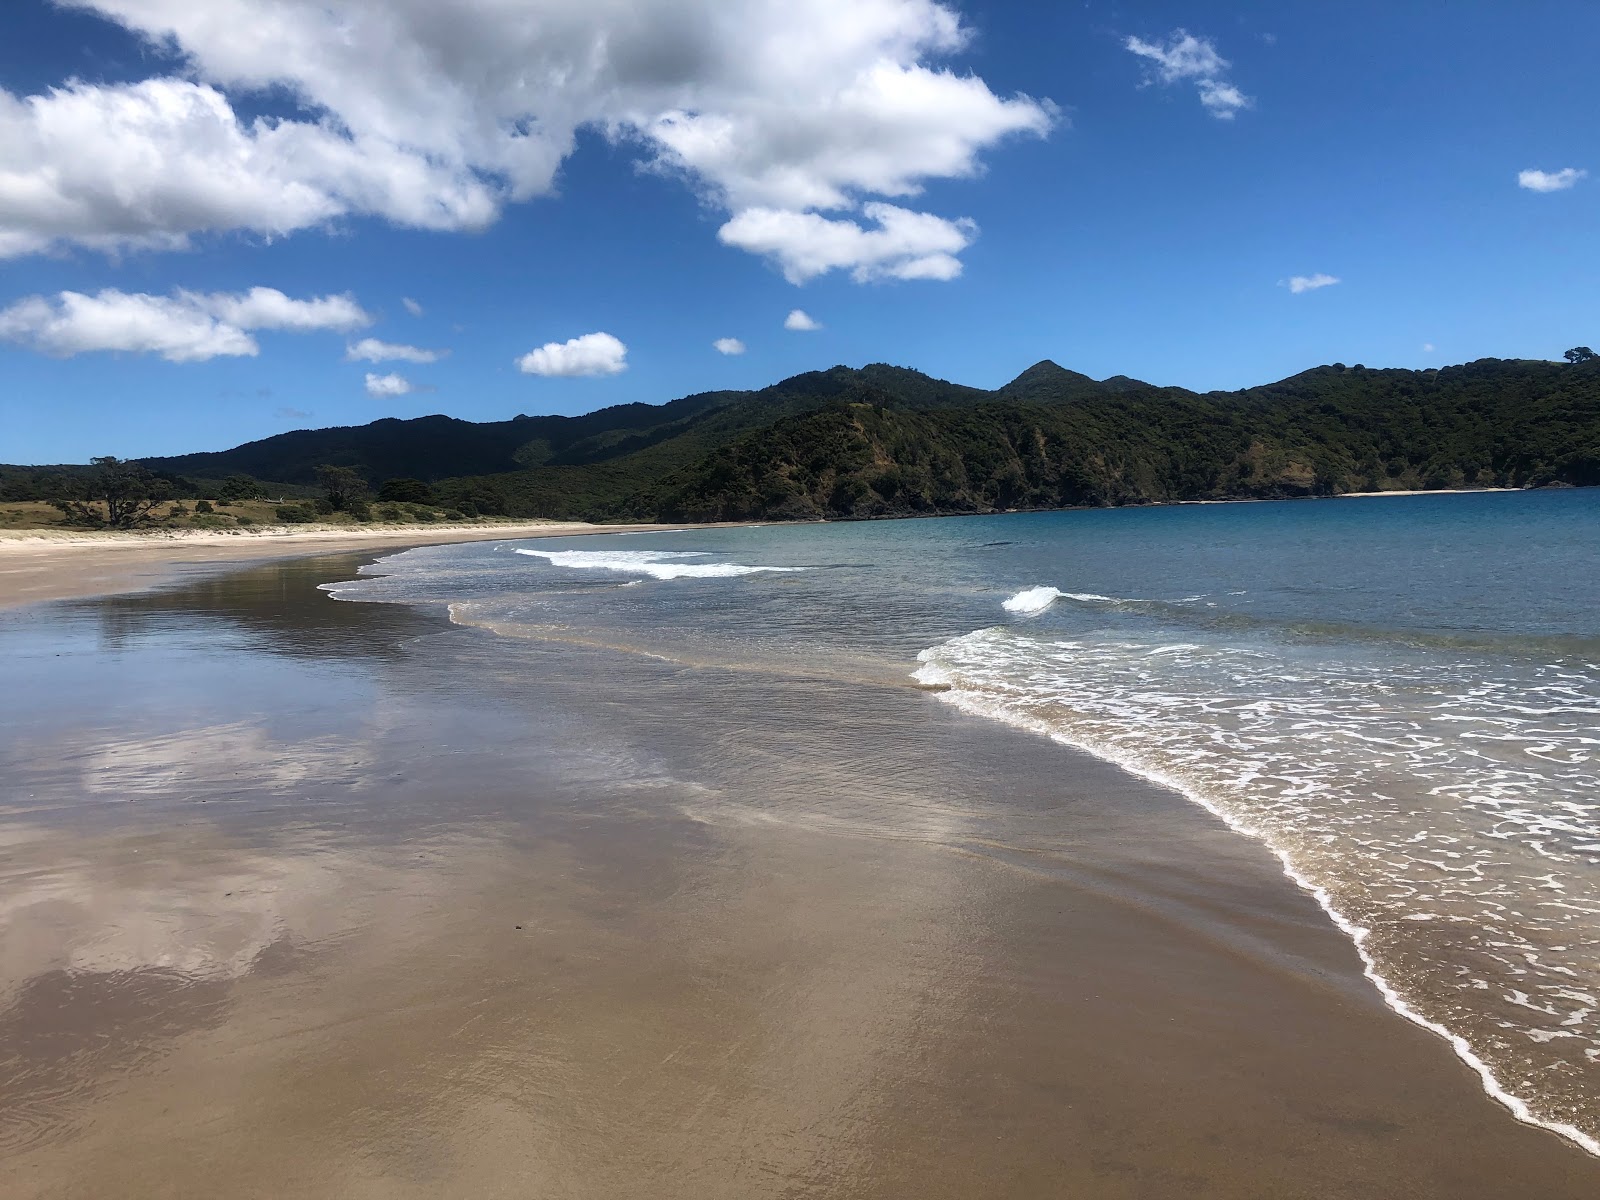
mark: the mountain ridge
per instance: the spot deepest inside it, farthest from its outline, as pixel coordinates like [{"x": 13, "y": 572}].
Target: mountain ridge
[{"x": 883, "y": 440}]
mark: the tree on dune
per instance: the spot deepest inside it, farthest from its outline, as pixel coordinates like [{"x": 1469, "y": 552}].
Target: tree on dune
[
  {"x": 116, "y": 494},
  {"x": 341, "y": 486}
]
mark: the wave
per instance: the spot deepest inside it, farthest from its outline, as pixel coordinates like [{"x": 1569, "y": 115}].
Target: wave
[
  {"x": 1442, "y": 818},
  {"x": 1037, "y": 599},
  {"x": 657, "y": 564},
  {"x": 1033, "y": 600}
]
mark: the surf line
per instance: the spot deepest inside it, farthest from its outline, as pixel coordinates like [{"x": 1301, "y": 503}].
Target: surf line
[{"x": 1519, "y": 1108}]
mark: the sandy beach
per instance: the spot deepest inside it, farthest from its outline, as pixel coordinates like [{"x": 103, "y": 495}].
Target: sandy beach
[{"x": 358, "y": 911}]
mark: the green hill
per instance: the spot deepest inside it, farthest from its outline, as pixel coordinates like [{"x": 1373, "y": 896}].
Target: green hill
[{"x": 883, "y": 440}]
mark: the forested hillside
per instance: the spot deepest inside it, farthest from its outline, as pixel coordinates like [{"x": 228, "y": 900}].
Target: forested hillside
[{"x": 883, "y": 441}]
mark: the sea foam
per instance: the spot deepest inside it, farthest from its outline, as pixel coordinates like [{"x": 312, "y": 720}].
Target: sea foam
[
  {"x": 657, "y": 564},
  {"x": 1442, "y": 812}
]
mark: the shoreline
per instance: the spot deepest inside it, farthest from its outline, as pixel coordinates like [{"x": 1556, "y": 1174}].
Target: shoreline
[
  {"x": 33, "y": 571},
  {"x": 40, "y": 567},
  {"x": 1515, "y": 1106}
]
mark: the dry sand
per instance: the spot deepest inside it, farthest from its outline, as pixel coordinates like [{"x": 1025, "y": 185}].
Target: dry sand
[{"x": 52, "y": 565}]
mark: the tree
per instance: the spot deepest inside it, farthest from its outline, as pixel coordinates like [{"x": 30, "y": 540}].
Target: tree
[
  {"x": 341, "y": 485},
  {"x": 129, "y": 492},
  {"x": 405, "y": 491},
  {"x": 1581, "y": 354},
  {"x": 239, "y": 487}
]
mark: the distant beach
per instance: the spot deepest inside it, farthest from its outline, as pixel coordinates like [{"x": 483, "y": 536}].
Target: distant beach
[{"x": 50, "y": 564}]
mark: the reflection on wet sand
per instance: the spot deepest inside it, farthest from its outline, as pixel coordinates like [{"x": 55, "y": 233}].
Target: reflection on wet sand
[{"x": 582, "y": 926}]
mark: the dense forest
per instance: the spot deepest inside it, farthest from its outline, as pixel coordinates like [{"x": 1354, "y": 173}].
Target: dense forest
[{"x": 884, "y": 441}]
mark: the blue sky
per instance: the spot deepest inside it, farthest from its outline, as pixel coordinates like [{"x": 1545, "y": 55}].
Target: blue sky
[{"x": 965, "y": 190}]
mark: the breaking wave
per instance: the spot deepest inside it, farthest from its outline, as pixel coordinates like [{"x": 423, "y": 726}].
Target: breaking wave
[{"x": 656, "y": 564}]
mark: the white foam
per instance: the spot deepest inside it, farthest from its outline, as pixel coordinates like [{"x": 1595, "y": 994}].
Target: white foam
[
  {"x": 1395, "y": 823},
  {"x": 657, "y": 564},
  {"x": 1033, "y": 600}
]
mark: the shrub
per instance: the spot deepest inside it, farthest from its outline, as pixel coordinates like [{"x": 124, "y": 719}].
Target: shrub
[
  {"x": 324, "y": 506},
  {"x": 245, "y": 520},
  {"x": 203, "y": 506},
  {"x": 392, "y": 512},
  {"x": 426, "y": 515},
  {"x": 295, "y": 514}
]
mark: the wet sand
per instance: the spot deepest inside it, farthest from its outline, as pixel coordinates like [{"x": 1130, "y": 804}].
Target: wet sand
[
  {"x": 41, "y": 565},
  {"x": 362, "y": 909}
]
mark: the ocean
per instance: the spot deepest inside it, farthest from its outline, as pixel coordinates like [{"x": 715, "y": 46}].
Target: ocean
[{"x": 1399, "y": 696}]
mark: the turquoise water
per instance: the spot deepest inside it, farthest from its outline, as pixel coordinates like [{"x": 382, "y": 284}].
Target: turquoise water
[{"x": 1400, "y": 696}]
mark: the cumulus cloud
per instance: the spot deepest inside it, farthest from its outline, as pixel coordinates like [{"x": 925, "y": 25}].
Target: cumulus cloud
[
  {"x": 1550, "y": 181},
  {"x": 728, "y": 346},
  {"x": 1310, "y": 283},
  {"x": 801, "y": 322},
  {"x": 411, "y": 306},
  {"x": 591, "y": 354},
  {"x": 374, "y": 351},
  {"x": 904, "y": 244},
  {"x": 1181, "y": 58},
  {"x": 1427, "y": 347},
  {"x": 381, "y": 387},
  {"x": 184, "y": 327},
  {"x": 436, "y": 117}
]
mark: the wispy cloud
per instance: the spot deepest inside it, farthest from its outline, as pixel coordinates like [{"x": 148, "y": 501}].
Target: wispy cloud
[
  {"x": 373, "y": 351},
  {"x": 728, "y": 346},
  {"x": 1182, "y": 57},
  {"x": 801, "y": 322},
  {"x": 1309, "y": 283},
  {"x": 1550, "y": 181},
  {"x": 411, "y": 306},
  {"x": 591, "y": 354}
]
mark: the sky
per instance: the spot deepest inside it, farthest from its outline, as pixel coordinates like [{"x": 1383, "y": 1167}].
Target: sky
[{"x": 221, "y": 221}]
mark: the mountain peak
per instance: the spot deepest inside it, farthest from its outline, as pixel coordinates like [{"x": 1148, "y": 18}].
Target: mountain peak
[{"x": 1049, "y": 382}]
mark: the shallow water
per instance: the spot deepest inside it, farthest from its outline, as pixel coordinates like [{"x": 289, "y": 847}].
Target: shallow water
[{"x": 1400, "y": 696}]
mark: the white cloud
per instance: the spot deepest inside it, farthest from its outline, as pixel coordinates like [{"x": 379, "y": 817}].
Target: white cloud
[
  {"x": 411, "y": 306},
  {"x": 1184, "y": 57},
  {"x": 1550, "y": 181},
  {"x": 268, "y": 308},
  {"x": 1427, "y": 347},
  {"x": 381, "y": 387},
  {"x": 728, "y": 346},
  {"x": 374, "y": 351},
  {"x": 801, "y": 322},
  {"x": 185, "y": 327},
  {"x": 438, "y": 116},
  {"x": 591, "y": 354},
  {"x": 905, "y": 244},
  {"x": 1310, "y": 283}
]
